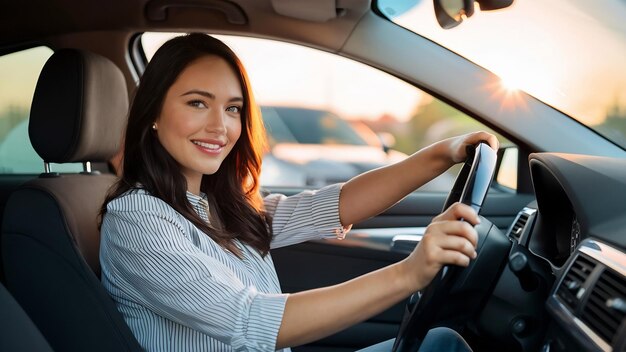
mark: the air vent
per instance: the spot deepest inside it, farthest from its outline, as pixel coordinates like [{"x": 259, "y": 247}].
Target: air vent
[
  {"x": 523, "y": 221},
  {"x": 572, "y": 288},
  {"x": 518, "y": 227},
  {"x": 605, "y": 309}
]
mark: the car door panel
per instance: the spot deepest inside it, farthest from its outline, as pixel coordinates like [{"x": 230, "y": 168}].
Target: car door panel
[{"x": 318, "y": 264}]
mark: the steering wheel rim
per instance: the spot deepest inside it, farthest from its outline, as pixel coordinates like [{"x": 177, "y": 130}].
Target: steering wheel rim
[{"x": 421, "y": 312}]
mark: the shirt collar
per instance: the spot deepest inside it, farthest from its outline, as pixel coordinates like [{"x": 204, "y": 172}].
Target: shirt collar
[{"x": 198, "y": 201}]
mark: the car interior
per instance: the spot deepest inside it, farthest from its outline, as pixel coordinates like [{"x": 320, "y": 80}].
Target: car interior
[{"x": 551, "y": 268}]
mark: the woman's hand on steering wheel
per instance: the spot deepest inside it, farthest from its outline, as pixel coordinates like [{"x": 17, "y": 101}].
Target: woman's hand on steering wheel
[
  {"x": 442, "y": 262},
  {"x": 458, "y": 145},
  {"x": 447, "y": 240}
]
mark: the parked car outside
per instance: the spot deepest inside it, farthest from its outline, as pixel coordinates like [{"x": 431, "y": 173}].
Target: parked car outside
[{"x": 310, "y": 147}]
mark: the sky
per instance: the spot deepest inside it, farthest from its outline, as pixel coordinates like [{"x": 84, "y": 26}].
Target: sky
[{"x": 568, "y": 53}]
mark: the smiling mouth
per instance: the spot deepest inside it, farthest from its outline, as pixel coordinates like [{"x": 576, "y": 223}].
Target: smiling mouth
[{"x": 211, "y": 148}]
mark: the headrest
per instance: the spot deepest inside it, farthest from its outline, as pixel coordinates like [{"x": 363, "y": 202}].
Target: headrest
[{"x": 79, "y": 108}]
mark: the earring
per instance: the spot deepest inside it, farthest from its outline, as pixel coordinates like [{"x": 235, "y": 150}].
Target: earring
[{"x": 154, "y": 126}]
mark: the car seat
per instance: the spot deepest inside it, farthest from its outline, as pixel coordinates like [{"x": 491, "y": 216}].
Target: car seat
[
  {"x": 50, "y": 236},
  {"x": 17, "y": 331}
]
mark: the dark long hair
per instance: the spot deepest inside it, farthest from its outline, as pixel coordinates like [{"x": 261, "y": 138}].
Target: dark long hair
[{"x": 233, "y": 191}]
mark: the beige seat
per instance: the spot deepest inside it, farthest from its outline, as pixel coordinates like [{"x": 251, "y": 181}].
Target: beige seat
[{"x": 50, "y": 238}]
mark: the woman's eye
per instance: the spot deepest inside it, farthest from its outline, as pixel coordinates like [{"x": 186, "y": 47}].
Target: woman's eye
[
  {"x": 196, "y": 104},
  {"x": 234, "y": 108}
]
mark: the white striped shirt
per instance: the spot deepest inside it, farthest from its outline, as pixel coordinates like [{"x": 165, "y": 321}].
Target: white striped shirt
[{"x": 178, "y": 290}]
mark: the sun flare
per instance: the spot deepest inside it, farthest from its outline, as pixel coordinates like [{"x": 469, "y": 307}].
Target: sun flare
[{"x": 511, "y": 84}]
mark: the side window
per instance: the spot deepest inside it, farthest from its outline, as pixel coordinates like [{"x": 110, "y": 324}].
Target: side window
[
  {"x": 507, "y": 175},
  {"x": 19, "y": 72},
  {"x": 330, "y": 118}
]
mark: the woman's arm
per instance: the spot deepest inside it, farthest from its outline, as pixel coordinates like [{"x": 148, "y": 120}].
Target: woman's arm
[
  {"x": 311, "y": 315},
  {"x": 314, "y": 314},
  {"x": 371, "y": 193}
]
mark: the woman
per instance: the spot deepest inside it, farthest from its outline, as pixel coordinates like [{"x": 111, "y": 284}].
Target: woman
[{"x": 186, "y": 234}]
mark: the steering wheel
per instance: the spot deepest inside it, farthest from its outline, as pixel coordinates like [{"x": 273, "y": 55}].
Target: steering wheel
[{"x": 456, "y": 293}]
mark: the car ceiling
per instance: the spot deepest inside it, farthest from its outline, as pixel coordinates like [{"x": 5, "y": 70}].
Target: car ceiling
[
  {"x": 106, "y": 27},
  {"x": 59, "y": 17}
]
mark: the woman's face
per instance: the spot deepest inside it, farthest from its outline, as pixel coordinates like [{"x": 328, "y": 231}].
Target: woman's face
[{"x": 200, "y": 121}]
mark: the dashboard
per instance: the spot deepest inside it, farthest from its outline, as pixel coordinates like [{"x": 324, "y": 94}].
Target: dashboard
[{"x": 577, "y": 227}]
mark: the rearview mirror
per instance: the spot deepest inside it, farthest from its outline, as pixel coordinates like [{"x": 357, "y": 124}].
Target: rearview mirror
[{"x": 450, "y": 13}]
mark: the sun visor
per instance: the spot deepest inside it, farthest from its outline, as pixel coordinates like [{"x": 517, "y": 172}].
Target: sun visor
[{"x": 314, "y": 10}]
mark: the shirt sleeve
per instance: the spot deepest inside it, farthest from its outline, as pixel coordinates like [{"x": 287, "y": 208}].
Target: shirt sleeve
[
  {"x": 149, "y": 253},
  {"x": 305, "y": 216}
]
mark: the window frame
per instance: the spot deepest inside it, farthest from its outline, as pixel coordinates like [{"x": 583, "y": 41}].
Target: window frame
[{"x": 524, "y": 184}]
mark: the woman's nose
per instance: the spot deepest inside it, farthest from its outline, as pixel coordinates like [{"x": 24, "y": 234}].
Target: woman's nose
[{"x": 216, "y": 121}]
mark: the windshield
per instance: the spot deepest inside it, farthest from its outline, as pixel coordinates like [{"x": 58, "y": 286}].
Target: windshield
[{"x": 571, "y": 54}]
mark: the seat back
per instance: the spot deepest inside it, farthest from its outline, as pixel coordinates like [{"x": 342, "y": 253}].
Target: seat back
[
  {"x": 8, "y": 184},
  {"x": 50, "y": 237}
]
